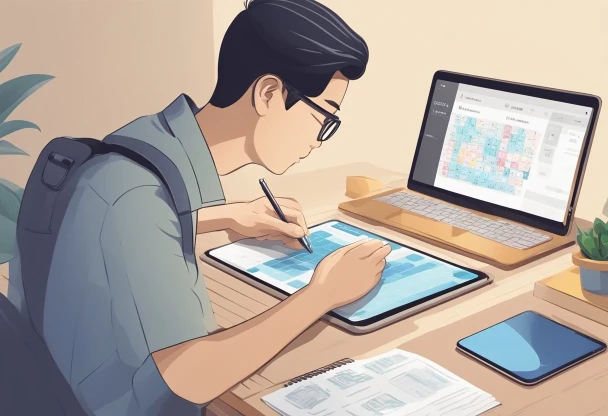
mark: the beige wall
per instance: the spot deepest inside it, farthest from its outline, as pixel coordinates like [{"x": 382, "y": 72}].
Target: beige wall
[{"x": 116, "y": 60}]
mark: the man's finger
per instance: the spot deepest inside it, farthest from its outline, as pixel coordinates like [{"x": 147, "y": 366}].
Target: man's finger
[
  {"x": 381, "y": 264},
  {"x": 289, "y": 202},
  {"x": 277, "y": 226},
  {"x": 367, "y": 248},
  {"x": 354, "y": 245},
  {"x": 294, "y": 244},
  {"x": 294, "y": 215},
  {"x": 287, "y": 241},
  {"x": 380, "y": 254}
]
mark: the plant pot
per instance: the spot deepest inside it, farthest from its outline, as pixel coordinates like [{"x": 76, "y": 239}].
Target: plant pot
[{"x": 594, "y": 274}]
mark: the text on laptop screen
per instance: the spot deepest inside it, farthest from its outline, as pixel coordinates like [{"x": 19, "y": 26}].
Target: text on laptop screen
[{"x": 517, "y": 151}]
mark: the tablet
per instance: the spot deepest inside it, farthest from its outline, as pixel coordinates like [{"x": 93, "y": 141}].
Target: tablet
[
  {"x": 530, "y": 348},
  {"x": 411, "y": 281}
]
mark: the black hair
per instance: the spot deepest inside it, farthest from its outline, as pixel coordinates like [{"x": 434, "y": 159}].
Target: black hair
[{"x": 302, "y": 42}]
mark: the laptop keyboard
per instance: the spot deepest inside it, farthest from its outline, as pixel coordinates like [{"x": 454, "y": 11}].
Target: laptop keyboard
[{"x": 504, "y": 232}]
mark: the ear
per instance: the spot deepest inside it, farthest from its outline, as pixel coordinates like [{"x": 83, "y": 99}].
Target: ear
[{"x": 267, "y": 91}]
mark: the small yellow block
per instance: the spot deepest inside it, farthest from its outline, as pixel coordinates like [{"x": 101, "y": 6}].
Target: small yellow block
[{"x": 359, "y": 186}]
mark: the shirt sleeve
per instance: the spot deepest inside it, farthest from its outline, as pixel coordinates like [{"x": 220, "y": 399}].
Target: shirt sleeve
[{"x": 142, "y": 237}]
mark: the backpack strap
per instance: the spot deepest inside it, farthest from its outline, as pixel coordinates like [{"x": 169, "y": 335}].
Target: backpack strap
[
  {"x": 46, "y": 197},
  {"x": 43, "y": 206}
]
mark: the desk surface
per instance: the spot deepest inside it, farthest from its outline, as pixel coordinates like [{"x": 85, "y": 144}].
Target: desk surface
[{"x": 511, "y": 292}]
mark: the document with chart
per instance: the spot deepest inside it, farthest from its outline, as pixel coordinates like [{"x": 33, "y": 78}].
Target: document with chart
[
  {"x": 409, "y": 276},
  {"x": 394, "y": 383}
]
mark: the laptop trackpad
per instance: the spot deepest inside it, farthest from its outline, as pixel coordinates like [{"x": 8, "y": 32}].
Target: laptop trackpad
[{"x": 424, "y": 225}]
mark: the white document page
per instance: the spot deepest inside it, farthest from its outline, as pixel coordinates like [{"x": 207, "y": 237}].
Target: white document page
[{"x": 394, "y": 383}]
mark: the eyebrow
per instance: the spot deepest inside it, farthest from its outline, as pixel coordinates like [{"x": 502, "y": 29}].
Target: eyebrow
[{"x": 333, "y": 104}]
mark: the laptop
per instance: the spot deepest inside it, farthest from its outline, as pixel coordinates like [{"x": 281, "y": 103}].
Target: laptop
[{"x": 496, "y": 172}]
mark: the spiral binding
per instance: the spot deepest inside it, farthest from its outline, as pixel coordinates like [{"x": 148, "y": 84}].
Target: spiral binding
[{"x": 318, "y": 371}]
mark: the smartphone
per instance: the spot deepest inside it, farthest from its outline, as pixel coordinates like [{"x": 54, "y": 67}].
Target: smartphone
[{"x": 530, "y": 348}]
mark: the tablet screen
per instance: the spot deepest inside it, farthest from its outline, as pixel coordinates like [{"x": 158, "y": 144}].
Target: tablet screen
[
  {"x": 409, "y": 278},
  {"x": 530, "y": 347}
]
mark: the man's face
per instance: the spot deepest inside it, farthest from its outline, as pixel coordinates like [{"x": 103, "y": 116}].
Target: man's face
[{"x": 283, "y": 137}]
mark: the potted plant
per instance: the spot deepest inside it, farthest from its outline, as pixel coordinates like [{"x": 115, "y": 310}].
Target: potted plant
[
  {"x": 12, "y": 93},
  {"x": 592, "y": 259}
]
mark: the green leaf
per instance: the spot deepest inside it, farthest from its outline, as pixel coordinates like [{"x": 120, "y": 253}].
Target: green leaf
[
  {"x": 590, "y": 247},
  {"x": 9, "y": 127},
  {"x": 13, "y": 92},
  {"x": 599, "y": 227},
  {"x": 7, "y": 148},
  {"x": 580, "y": 232},
  {"x": 604, "y": 246},
  {"x": 13, "y": 187},
  {"x": 579, "y": 240},
  {"x": 9, "y": 203},
  {"x": 8, "y": 234},
  {"x": 7, "y": 55},
  {"x": 588, "y": 255},
  {"x": 603, "y": 252}
]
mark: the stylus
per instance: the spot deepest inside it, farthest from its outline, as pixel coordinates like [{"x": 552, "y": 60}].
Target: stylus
[{"x": 304, "y": 240}]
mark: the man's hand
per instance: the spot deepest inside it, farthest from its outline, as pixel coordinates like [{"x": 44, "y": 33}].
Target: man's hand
[
  {"x": 257, "y": 219},
  {"x": 349, "y": 273}
]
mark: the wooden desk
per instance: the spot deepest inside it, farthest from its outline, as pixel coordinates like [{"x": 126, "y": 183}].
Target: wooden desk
[{"x": 235, "y": 302}]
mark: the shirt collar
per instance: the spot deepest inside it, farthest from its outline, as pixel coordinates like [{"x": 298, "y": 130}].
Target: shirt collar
[{"x": 180, "y": 116}]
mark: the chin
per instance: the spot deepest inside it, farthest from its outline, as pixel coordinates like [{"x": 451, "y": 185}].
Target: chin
[{"x": 276, "y": 169}]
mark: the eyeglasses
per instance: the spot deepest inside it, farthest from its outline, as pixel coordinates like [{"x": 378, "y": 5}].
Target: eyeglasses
[{"x": 332, "y": 121}]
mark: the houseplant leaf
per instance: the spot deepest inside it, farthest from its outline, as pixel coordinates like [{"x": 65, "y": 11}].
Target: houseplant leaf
[
  {"x": 603, "y": 253},
  {"x": 580, "y": 232},
  {"x": 13, "y": 92},
  {"x": 7, "y": 148},
  {"x": 7, "y": 55},
  {"x": 604, "y": 246},
  {"x": 599, "y": 227},
  {"x": 590, "y": 247},
  {"x": 9, "y": 203},
  {"x": 579, "y": 240},
  {"x": 585, "y": 252},
  {"x": 8, "y": 233},
  {"x": 12, "y": 126},
  {"x": 13, "y": 187}
]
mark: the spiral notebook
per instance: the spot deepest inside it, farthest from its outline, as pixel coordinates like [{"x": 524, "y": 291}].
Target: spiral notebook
[{"x": 394, "y": 383}]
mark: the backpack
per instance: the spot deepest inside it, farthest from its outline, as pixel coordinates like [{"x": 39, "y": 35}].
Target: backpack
[
  {"x": 46, "y": 198},
  {"x": 30, "y": 381}
]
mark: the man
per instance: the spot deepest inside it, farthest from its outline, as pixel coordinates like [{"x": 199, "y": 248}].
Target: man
[{"x": 127, "y": 317}]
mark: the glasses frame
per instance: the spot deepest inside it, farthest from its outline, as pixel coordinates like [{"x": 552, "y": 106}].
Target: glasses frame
[{"x": 331, "y": 120}]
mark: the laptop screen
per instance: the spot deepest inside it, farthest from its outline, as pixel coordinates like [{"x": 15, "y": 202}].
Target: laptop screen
[{"x": 516, "y": 151}]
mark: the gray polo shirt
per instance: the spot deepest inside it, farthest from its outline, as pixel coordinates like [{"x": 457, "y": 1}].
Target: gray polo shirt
[{"x": 124, "y": 281}]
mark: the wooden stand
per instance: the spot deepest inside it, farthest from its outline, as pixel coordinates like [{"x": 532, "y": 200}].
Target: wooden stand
[{"x": 565, "y": 290}]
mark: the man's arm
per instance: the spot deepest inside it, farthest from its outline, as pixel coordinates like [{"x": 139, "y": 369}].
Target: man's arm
[
  {"x": 151, "y": 281},
  {"x": 202, "y": 369},
  {"x": 217, "y": 218}
]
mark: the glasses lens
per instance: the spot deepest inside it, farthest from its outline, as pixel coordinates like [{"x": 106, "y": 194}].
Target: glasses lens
[{"x": 328, "y": 130}]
